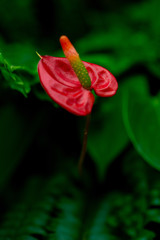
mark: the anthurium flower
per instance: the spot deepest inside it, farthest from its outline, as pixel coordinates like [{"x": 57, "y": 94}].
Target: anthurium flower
[{"x": 70, "y": 81}]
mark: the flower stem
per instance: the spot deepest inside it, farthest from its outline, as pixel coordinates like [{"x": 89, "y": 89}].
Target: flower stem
[{"x": 84, "y": 145}]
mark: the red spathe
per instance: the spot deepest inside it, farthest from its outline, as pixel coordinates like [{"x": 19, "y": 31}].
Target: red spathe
[{"x": 62, "y": 85}]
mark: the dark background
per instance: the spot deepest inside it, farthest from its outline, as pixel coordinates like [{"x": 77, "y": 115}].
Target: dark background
[{"x": 117, "y": 196}]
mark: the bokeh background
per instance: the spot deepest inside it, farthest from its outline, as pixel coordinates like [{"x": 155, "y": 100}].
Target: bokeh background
[{"x": 42, "y": 196}]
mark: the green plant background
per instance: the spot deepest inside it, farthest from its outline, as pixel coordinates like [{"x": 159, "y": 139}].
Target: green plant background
[{"x": 42, "y": 196}]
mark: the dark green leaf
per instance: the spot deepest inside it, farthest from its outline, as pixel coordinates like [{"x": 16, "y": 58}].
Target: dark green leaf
[
  {"x": 16, "y": 134},
  {"x": 107, "y": 136},
  {"x": 142, "y": 121}
]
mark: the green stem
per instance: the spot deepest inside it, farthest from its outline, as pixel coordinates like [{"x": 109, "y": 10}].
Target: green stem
[{"x": 84, "y": 145}]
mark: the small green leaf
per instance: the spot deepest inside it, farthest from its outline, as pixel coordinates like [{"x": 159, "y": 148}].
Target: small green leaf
[{"x": 16, "y": 77}]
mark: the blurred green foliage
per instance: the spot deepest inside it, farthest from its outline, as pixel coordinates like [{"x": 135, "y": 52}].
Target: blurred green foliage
[{"x": 42, "y": 195}]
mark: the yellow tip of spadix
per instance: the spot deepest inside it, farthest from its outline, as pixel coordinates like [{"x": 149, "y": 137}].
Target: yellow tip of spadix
[{"x": 38, "y": 55}]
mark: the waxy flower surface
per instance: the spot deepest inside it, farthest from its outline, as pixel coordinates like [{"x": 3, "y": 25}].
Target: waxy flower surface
[{"x": 70, "y": 81}]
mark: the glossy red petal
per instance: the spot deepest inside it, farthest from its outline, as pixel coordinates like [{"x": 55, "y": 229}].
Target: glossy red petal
[
  {"x": 103, "y": 82},
  {"x": 60, "y": 69},
  {"x": 62, "y": 85}
]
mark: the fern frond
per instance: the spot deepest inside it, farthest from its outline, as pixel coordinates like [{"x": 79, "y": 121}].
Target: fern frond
[
  {"x": 62, "y": 208},
  {"x": 48, "y": 210},
  {"x": 28, "y": 217},
  {"x": 68, "y": 222}
]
